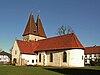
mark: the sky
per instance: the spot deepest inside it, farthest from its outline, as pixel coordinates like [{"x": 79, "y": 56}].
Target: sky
[{"x": 82, "y": 15}]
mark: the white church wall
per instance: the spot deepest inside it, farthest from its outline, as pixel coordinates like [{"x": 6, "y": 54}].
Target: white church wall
[{"x": 76, "y": 58}]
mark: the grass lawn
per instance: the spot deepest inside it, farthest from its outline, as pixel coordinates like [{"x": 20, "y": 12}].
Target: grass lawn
[{"x": 24, "y": 70}]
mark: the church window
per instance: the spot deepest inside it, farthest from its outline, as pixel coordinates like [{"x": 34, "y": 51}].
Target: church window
[
  {"x": 82, "y": 57},
  {"x": 64, "y": 57},
  {"x": 51, "y": 57},
  {"x": 32, "y": 61},
  {"x": 39, "y": 57}
]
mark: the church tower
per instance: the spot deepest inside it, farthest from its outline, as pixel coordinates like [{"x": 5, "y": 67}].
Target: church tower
[{"x": 34, "y": 31}]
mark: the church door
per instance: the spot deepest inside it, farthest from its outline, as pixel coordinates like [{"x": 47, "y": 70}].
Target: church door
[{"x": 14, "y": 61}]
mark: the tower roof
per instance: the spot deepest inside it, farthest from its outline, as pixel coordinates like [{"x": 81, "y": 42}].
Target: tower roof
[
  {"x": 31, "y": 26},
  {"x": 34, "y": 28},
  {"x": 40, "y": 29}
]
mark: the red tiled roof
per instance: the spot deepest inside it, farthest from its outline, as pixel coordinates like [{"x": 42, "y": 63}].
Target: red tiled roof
[
  {"x": 92, "y": 50},
  {"x": 25, "y": 47},
  {"x": 68, "y": 41}
]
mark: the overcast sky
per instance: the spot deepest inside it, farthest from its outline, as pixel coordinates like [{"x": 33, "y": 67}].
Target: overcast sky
[{"x": 82, "y": 15}]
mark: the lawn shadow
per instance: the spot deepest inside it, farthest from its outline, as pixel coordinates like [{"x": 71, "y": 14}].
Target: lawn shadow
[{"x": 74, "y": 71}]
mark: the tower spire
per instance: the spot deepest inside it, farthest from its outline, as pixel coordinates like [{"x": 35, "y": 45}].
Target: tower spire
[
  {"x": 39, "y": 14},
  {"x": 31, "y": 13},
  {"x": 40, "y": 29}
]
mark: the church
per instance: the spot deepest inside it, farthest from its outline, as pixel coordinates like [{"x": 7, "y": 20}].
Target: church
[{"x": 36, "y": 49}]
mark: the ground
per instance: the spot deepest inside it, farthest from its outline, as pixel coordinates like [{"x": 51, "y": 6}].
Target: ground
[{"x": 30, "y": 70}]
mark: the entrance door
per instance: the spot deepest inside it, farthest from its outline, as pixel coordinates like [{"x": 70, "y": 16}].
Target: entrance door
[{"x": 14, "y": 61}]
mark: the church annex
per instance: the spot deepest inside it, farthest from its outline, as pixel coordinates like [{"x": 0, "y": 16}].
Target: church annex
[{"x": 37, "y": 49}]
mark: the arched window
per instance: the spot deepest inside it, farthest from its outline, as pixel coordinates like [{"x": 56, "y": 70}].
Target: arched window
[
  {"x": 51, "y": 57},
  {"x": 64, "y": 57},
  {"x": 39, "y": 57}
]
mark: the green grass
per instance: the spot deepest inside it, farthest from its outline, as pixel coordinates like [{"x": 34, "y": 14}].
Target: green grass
[{"x": 27, "y": 70}]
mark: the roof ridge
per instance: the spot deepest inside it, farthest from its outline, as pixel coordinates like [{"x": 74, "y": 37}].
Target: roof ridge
[{"x": 54, "y": 37}]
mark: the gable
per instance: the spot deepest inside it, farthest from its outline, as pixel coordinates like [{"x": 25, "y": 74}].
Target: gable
[{"x": 15, "y": 48}]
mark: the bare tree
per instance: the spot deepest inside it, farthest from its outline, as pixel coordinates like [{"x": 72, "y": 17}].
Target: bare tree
[
  {"x": 70, "y": 30},
  {"x": 62, "y": 30}
]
